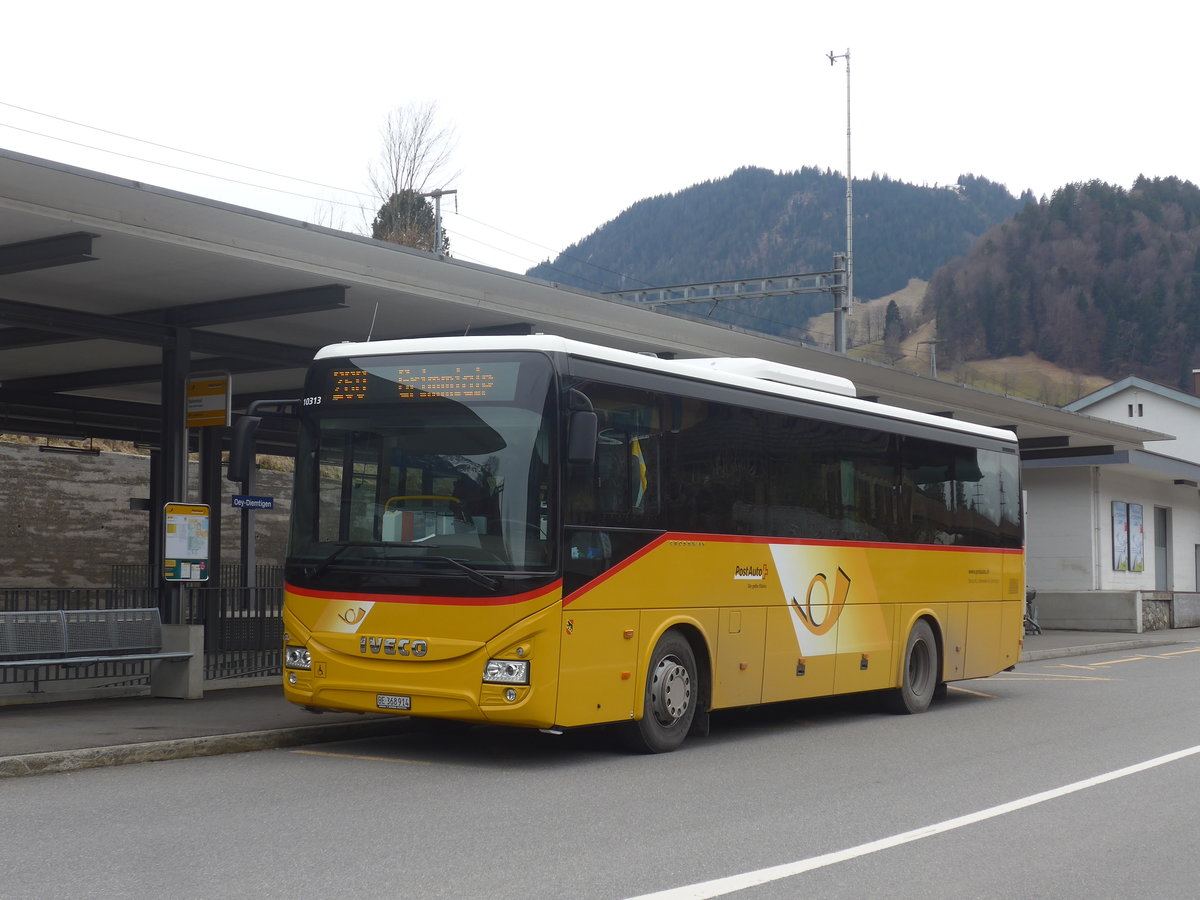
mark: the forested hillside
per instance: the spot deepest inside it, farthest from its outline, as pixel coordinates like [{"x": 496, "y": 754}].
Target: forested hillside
[
  {"x": 1096, "y": 279},
  {"x": 756, "y": 223}
]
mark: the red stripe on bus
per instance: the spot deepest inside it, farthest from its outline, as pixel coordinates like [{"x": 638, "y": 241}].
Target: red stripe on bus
[{"x": 510, "y": 600}]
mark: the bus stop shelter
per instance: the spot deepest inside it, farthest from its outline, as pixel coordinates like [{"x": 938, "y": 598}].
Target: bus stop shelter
[{"x": 114, "y": 293}]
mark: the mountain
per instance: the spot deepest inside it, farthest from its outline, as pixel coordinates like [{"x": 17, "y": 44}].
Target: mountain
[
  {"x": 1096, "y": 279},
  {"x": 756, "y": 223}
]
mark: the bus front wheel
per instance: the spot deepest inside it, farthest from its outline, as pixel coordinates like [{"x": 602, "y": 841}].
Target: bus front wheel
[
  {"x": 921, "y": 672},
  {"x": 671, "y": 694}
]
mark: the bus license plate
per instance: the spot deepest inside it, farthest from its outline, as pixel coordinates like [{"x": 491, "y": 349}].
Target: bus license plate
[{"x": 393, "y": 701}]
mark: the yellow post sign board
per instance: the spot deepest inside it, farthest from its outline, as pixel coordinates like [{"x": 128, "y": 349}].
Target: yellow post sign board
[{"x": 208, "y": 400}]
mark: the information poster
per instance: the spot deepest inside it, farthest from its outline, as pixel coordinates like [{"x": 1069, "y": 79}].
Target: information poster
[
  {"x": 1120, "y": 535},
  {"x": 185, "y": 542},
  {"x": 1137, "y": 539}
]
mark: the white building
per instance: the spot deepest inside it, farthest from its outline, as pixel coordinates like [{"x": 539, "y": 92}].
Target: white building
[{"x": 1113, "y": 536}]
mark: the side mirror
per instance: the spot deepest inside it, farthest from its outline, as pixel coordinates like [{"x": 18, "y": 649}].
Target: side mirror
[
  {"x": 582, "y": 435},
  {"x": 241, "y": 441},
  {"x": 241, "y": 448}
]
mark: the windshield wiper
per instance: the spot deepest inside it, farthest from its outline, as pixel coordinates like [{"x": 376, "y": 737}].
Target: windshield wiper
[
  {"x": 486, "y": 581},
  {"x": 330, "y": 559},
  {"x": 479, "y": 578}
]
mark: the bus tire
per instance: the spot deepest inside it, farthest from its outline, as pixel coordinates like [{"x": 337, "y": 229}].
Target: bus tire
[
  {"x": 671, "y": 695},
  {"x": 921, "y": 672}
]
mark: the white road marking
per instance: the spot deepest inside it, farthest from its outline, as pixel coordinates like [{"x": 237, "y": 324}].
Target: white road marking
[{"x": 720, "y": 886}]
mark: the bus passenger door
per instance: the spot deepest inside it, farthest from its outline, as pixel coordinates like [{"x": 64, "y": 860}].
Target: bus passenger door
[{"x": 739, "y": 675}]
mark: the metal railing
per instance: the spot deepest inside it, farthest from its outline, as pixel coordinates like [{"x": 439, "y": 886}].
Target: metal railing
[
  {"x": 129, "y": 575},
  {"x": 47, "y": 599},
  {"x": 243, "y": 631}
]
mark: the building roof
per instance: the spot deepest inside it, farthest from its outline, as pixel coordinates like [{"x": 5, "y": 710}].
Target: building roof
[{"x": 1132, "y": 382}]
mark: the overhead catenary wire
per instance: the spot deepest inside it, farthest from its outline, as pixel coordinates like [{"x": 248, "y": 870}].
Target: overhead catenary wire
[{"x": 363, "y": 204}]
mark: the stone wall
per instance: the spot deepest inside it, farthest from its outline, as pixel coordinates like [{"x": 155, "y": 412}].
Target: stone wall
[
  {"x": 1156, "y": 614},
  {"x": 65, "y": 519}
]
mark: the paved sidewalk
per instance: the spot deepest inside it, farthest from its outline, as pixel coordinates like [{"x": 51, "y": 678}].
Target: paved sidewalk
[
  {"x": 1057, "y": 644},
  {"x": 81, "y": 734},
  {"x": 65, "y": 736}
]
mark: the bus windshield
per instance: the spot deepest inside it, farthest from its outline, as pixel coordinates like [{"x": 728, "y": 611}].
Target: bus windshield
[{"x": 424, "y": 472}]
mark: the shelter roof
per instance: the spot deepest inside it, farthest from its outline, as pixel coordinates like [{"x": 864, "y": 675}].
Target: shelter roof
[{"x": 98, "y": 274}]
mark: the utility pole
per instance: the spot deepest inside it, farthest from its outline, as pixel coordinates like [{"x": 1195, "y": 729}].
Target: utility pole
[
  {"x": 437, "y": 216},
  {"x": 932, "y": 354},
  {"x": 845, "y": 304}
]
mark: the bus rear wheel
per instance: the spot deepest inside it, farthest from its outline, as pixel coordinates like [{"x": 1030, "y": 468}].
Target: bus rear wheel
[
  {"x": 921, "y": 672},
  {"x": 671, "y": 694}
]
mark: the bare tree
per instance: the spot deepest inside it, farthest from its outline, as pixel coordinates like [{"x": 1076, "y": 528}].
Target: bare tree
[
  {"x": 328, "y": 216},
  {"x": 415, "y": 152},
  {"x": 414, "y": 155}
]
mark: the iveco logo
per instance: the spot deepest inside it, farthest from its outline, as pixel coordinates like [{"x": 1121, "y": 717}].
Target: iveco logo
[{"x": 392, "y": 646}]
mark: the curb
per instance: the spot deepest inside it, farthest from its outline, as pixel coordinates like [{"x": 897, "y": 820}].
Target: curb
[
  {"x": 188, "y": 748},
  {"x": 1085, "y": 649}
]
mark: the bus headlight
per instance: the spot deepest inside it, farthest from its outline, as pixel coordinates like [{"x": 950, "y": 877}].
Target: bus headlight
[
  {"x": 506, "y": 671},
  {"x": 297, "y": 658}
]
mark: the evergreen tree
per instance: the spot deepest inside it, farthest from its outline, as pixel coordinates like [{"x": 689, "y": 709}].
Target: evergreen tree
[
  {"x": 407, "y": 218},
  {"x": 894, "y": 331},
  {"x": 1096, "y": 279}
]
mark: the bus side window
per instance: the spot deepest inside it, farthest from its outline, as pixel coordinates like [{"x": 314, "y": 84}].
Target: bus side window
[
  {"x": 931, "y": 491},
  {"x": 623, "y": 486},
  {"x": 612, "y": 471}
]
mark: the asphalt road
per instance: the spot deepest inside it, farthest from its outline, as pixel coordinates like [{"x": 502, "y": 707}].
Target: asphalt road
[{"x": 1014, "y": 786}]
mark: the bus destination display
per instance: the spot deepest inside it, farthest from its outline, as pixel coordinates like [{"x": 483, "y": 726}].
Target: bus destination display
[{"x": 470, "y": 382}]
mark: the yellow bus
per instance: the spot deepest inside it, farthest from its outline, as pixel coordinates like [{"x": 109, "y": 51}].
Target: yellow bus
[{"x": 538, "y": 532}]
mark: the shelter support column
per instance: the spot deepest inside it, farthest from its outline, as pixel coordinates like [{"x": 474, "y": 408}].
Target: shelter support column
[
  {"x": 210, "y": 494},
  {"x": 171, "y": 481}
]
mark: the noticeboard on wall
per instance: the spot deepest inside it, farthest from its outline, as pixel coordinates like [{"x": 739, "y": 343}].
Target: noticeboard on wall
[
  {"x": 1137, "y": 539},
  {"x": 1128, "y": 537}
]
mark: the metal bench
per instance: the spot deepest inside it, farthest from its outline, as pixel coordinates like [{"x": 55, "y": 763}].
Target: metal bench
[{"x": 82, "y": 637}]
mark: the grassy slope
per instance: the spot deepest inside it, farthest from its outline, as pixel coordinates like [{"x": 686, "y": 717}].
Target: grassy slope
[{"x": 1027, "y": 377}]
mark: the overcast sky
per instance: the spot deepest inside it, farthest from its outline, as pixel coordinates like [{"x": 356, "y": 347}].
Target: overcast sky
[{"x": 568, "y": 112}]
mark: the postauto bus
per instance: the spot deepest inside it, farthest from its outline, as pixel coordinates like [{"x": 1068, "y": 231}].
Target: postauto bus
[{"x": 533, "y": 531}]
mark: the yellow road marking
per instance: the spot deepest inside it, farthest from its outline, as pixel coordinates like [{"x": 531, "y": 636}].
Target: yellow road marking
[
  {"x": 963, "y": 690},
  {"x": 1046, "y": 676}
]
